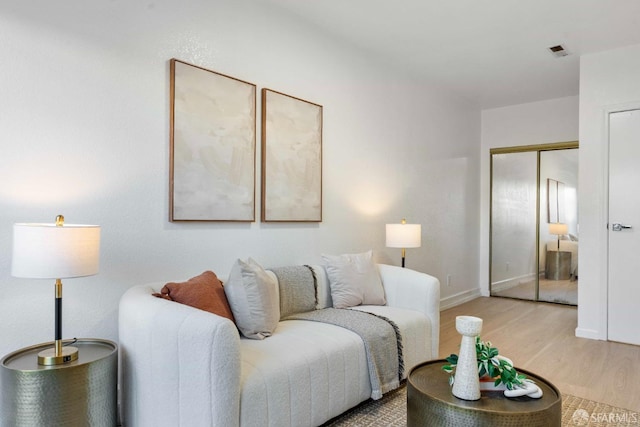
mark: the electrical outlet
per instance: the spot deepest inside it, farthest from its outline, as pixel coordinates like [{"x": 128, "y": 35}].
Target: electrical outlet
[
  {"x": 507, "y": 266},
  {"x": 448, "y": 280}
]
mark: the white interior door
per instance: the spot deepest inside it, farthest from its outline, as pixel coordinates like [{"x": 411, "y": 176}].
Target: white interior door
[{"x": 624, "y": 227}]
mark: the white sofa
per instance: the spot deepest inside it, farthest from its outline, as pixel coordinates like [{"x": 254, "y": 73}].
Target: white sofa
[{"x": 181, "y": 366}]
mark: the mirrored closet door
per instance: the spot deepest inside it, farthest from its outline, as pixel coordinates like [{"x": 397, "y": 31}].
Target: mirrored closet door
[{"x": 534, "y": 223}]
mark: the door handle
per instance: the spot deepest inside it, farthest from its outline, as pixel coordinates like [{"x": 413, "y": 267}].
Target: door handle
[{"x": 619, "y": 227}]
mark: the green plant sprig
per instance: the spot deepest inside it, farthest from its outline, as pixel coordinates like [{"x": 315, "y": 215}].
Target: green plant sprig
[{"x": 491, "y": 365}]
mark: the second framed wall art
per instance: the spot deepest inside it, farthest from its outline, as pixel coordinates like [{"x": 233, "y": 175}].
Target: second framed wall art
[{"x": 291, "y": 159}]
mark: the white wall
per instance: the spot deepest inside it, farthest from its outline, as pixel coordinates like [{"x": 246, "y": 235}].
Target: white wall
[
  {"x": 608, "y": 82},
  {"x": 84, "y": 132},
  {"x": 554, "y": 120}
]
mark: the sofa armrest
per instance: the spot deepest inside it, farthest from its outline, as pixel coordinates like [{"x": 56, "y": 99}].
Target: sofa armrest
[
  {"x": 180, "y": 366},
  {"x": 413, "y": 290}
]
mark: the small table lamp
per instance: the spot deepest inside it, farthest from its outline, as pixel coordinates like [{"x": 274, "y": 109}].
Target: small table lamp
[
  {"x": 559, "y": 229},
  {"x": 55, "y": 251},
  {"x": 404, "y": 236}
]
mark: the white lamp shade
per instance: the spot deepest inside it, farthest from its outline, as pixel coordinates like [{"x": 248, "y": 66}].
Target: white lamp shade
[
  {"x": 558, "y": 228},
  {"x": 404, "y": 235},
  {"x": 46, "y": 251}
]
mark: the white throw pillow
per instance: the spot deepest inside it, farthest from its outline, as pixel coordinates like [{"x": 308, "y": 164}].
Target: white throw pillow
[
  {"x": 354, "y": 280},
  {"x": 253, "y": 297}
]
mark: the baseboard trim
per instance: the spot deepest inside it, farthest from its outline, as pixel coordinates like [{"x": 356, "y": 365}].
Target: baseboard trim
[
  {"x": 512, "y": 282},
  {"x": 460, "y": 298},
  {"x": 591, "y": 334}
]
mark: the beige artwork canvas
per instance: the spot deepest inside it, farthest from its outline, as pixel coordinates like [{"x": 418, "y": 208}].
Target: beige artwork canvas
[
  {"x": 291, "y": 158},
  {"x": 213, "y": 123}
]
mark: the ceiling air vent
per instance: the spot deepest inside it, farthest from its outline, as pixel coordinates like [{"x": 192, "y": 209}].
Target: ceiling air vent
[{"x": 558, "y": 51}]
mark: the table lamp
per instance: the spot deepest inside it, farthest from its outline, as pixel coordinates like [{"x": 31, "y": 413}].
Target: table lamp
[
  {"x": 404, "y": 236},
  {"x": 559, "y": 229},
  {"x": 55, "y": 251}
]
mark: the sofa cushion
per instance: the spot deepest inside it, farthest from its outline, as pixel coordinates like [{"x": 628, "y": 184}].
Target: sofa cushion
[
  {"x": 354, "y": 280},
  {"x": 309, "y": 372},
  {"x": 304, "y": 375},
  {"x": 253, "y": 296},
  {"x": 204, "y": 292}
]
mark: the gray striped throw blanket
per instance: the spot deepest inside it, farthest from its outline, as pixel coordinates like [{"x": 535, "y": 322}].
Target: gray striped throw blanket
[{"x": 297, "y": 289}]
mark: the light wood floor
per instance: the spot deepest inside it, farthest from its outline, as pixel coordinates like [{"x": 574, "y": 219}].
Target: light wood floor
[{"x": 540, "y": 338}]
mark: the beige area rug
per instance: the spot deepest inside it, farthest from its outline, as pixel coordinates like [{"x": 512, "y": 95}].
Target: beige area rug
[{"x": 391, "y": 411}]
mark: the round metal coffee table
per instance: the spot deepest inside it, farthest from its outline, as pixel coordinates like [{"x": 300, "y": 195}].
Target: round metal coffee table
[{"x": 430, "y": 402}]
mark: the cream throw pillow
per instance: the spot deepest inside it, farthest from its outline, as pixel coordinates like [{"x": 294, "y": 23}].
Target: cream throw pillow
[
  {"x": 354, "y": 280},
  {"x": 253, "y": 297}
]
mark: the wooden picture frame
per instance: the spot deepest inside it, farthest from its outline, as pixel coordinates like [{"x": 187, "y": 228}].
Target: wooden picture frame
[
  {"x": 556, "y": 210},
  {"x": 561, "y": 203},
  {"x": 291, "y": 159},
  {"x": 213, "y": 145},
  {"x": 552, "y": 201}
]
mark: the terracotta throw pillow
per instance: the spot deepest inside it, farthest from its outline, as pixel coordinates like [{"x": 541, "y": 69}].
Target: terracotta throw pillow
[{"x": 204, "y": 292}]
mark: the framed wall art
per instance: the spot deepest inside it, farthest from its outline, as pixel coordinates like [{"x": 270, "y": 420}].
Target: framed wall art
[
  {"x": 291, "y": 159},
  {"x": 213, "y": 144},
  {"x": 555, "y": 201}
]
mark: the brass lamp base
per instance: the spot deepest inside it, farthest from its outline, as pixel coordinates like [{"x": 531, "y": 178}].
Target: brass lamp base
[{"x": 49, "y": 356}]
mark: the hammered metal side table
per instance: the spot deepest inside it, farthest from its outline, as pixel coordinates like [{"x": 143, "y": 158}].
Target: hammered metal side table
[
  {"x": 431, "y": 403},
  {"x": 80, "y": 393},
  {"x": 558, "y": 265}
]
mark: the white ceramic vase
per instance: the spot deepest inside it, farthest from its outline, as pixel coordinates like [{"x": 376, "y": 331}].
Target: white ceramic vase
[{"x": 467, "y": 383}]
